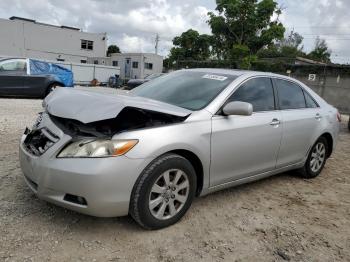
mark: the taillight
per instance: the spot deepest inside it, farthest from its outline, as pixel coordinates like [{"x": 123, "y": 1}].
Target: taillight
[{"x": 338, "y": 117}]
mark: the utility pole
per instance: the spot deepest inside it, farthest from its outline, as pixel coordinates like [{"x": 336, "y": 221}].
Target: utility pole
[{"x": 157, "y": 42}]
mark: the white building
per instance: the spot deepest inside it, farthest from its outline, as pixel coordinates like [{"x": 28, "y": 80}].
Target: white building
[
  {"x": 21, "y": 37},
  {"x": 137, "y": 65}
]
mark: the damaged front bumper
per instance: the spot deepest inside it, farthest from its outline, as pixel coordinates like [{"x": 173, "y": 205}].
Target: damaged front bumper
[{"x": 95, "y": 186}]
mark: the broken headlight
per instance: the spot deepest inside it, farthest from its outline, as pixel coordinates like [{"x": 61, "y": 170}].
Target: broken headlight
[{"x": 97, "y": 148}]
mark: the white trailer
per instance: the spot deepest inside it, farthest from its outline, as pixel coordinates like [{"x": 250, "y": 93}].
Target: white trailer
[{"x": 83, "y": 74}]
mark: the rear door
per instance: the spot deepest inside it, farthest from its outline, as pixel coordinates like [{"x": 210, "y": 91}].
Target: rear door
[
  {"x": 301, "y": 119},
  {"x": 243, "y": 146},
  {"x": 12, "y": 73},
  {"x": 35, "y": 85}
]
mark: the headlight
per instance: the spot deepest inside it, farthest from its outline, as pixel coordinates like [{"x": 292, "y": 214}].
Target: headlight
[{"x": 97, "y": 148}]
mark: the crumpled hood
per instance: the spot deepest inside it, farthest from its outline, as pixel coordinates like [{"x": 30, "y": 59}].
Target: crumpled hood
[{"x": 90, "y": 106}]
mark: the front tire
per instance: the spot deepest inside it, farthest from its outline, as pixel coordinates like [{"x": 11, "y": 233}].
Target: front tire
[
  {"x": 164, "y": 192},
  {"x": 316, "y": 160}
]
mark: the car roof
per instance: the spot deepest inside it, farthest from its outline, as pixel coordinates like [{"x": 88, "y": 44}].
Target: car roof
[
  {"x": 232, "y": 72},
  {"x": 10, "y": 58},
  {"x": 237, "y": 72}
]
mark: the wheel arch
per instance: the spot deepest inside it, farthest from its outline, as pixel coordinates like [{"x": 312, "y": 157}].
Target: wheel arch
[
  {"x": 192, "y": 158},
  {"x": 54, "y": 82},
  {"x": 196, "y": 163},
  {"x": 51, "y": 83},
  {"x": 329, "y": 139}
]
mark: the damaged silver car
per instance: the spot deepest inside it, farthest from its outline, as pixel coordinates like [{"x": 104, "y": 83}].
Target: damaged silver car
[{"x": 148, "y": 153}]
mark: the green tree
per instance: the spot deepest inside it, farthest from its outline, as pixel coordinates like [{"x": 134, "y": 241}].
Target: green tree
[
  {"x": 113, "y": 49},
  {"x": 288, "y": 47},
  {"x": 190, "y": 45},
  {"x": 320, "y": 52},
  {"x": 246, "y": 24}
]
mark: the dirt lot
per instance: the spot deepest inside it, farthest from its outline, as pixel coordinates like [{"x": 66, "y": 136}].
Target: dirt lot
[{"x": 276, "y": 219}]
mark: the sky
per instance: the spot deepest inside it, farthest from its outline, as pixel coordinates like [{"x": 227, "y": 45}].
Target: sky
[{"x": 133, "y": 24}]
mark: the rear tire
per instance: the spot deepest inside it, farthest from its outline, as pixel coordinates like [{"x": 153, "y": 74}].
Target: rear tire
[
  {"x": 316, "y": 159},
  {"x": 163, "y": 192}
]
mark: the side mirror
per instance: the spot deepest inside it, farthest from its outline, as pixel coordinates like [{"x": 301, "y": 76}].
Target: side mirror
[{"x": 238, "y": 108}]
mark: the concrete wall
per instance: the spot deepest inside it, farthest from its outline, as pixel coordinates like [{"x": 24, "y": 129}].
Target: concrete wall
[
  {"x": 35, "y": 40},
  {"x": 332, "y": 86}
]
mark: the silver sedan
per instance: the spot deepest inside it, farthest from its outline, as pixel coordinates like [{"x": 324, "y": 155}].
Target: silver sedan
[{"x": 149, "y": 152}]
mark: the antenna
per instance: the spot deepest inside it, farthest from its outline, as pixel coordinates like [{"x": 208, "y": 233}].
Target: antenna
[{"x": 157, "y": 42}]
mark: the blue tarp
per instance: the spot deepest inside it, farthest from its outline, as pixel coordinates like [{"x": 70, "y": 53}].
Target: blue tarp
[{"x": 61, "y": 74}]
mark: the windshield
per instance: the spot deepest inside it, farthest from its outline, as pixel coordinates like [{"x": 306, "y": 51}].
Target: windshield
[{"x": 188, "y": 89}]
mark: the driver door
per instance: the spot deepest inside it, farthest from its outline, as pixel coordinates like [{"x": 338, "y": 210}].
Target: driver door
[
  {"x": 244, "y": 146},
  {"x": 12, "y": 75}
]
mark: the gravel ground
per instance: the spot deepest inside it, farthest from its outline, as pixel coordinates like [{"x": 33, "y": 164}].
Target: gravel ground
[{"x": 275, "y": 219}]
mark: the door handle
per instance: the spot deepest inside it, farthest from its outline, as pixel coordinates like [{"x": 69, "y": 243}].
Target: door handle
[
  {"x": 275, "y": 122},
  {"x": 318, "y": 116}
]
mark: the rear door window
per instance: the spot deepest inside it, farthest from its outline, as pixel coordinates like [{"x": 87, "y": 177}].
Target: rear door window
[
  {"x": 258, "y": 92},
  {"x": 290, "y": 95}
]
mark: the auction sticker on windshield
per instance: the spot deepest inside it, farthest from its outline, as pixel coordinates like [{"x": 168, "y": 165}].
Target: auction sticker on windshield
[{"x": 215, "y": 77}]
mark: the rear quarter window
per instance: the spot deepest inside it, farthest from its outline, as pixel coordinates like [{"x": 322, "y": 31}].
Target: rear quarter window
[{"x": 310, "y": 102}]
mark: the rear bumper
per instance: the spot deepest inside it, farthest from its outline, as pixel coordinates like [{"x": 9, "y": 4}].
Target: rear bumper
[{"x": 105, "y": 183}]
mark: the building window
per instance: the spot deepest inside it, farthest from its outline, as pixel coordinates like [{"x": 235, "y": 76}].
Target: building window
[
  {"x": 115, "y": 63},
  {"x": 135, "y": 64},
  {"x": 149, "y": 66},
  {"x": 60, "y": 60},
  {"x": 87, "y": 45},
  {"x": 83, "y": 61},
  {"x": 96, "y": 62}
]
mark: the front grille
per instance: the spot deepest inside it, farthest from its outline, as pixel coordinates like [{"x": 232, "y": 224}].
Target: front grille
[{"x": 39, "y": 141}]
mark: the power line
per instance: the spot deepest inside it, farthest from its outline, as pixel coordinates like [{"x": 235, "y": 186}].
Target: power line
[
  {"x": 317, "y": 26},
  {"x": 325, "y": 34},
  {"x": 328, "y": 39}
]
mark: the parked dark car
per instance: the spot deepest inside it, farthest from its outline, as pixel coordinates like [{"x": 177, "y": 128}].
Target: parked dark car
[
  {"x": 132, "y": 83},
  {"x": 31, "y": 78}
]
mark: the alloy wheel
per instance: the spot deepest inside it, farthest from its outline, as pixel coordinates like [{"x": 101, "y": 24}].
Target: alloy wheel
[
  {"x": 318, "y": 157},
  {"x": 169, "y": 194}
]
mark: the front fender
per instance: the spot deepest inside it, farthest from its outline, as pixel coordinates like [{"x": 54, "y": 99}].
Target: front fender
[{"x": 190, "y": 136}]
